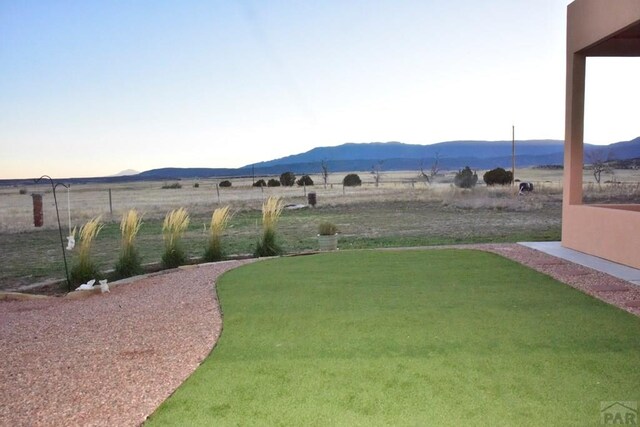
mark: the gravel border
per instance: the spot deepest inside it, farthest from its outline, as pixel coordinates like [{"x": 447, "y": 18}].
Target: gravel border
[
  {"x": 614, "y": 291},
  {"x": 112, "y": 359},
  {"x": 106, "y": 360}
]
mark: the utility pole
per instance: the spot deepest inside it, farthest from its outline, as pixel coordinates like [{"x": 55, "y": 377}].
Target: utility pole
[{"x": 513, "y": 155}]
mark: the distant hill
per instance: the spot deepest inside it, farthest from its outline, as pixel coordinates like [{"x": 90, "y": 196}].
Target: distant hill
[
  {"x": 393, "y": 155},
  {"x": 624, "y": 150},
  {"x": 452, "y": 155},
  {"x": 445, "y": 150},
  {"x": 126, "y": 172}
]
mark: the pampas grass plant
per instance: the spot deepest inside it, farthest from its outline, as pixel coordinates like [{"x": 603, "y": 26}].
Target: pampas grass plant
[
  {"x": 219, "y": 221},
  {"x": 173, "y": 228},
  {"x": 271, "y": 211},
  {"x": 85, "y": 269},
  {"x": 129, "y": 263}
]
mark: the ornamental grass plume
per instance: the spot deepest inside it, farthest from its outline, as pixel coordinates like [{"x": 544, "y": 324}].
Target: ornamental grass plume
[
  {"x": 173, "y": 228},
  {"x": 129, "y": 263},
  {"x": 219, "y": 220},
  {"x": 85, "y": 269},
  {"x": 271, "y": 211}
]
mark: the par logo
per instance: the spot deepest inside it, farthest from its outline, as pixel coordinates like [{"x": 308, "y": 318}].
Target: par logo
[{"x": 619, "y": 413}]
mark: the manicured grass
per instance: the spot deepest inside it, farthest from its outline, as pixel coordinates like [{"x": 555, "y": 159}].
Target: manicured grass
[{"x": 440, "y": 337}]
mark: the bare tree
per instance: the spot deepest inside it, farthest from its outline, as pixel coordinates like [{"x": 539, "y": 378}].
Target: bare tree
[
  {"x": 433, "y": 171},
  {"x": 376, "y": 171},
  {"x": 325, "y": 172},
  {"x": 599, "y": 163}
]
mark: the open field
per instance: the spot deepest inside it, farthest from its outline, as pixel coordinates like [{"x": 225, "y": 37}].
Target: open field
[
  {"x": 464, "y": 338},
  {"x": 400, "y": 212}
]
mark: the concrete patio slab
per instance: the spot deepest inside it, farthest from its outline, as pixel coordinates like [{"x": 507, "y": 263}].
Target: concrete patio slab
[{"x": 620, "y": 271}]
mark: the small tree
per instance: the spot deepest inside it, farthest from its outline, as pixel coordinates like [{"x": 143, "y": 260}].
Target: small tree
[
  {"x": 376, "y": 171},
  {"x": 273, "y": 183},
  {"x": 498, "y": 176},
  {"x": 433, "y": 171},
  {"x": 304, "y": 180},
  {"x": 466, "y": 178},
  {"x": 225, "y": 183},
  {"x": 260, "y": 183},
  {"x": 599, "y": 163},
  {"x": 325, "y": 173},
  {"x": 352, "y": 180},
  {"x": 287, "y": 179}
]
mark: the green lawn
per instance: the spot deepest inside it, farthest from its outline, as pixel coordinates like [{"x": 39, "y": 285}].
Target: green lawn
[{"x": 439, "y": 337}]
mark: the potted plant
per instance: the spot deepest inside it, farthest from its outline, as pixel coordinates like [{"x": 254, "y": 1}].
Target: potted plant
[{"x": 327, "y": 236}]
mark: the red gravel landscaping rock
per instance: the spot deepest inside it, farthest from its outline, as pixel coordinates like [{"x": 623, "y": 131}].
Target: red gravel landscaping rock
[{"x": 106, "y": 359}]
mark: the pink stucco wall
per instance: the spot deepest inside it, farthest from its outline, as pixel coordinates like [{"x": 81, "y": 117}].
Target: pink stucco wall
[{"x": 596, "y": 28}]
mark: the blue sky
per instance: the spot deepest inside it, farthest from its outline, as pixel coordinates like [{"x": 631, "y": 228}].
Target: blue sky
[{"x": 90, "y": 88}]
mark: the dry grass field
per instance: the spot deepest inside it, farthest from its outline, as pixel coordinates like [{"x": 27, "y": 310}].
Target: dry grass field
[{"x": 401, "y": 211}]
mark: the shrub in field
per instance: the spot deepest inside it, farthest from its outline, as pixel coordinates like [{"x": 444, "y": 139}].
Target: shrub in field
[
  {"x": 129, "y": 263},
  {"x": 225, "y": 183},
  {"x": 466, "y": 178},
  {"x": 287, "y": 179},
  {"x": 85, "y": 269},
  {"x": 260, "y": 183},
  {"x": 352, "y": 180},
  {"x": 172, "y": 186},
  {"x": 196, "y": 185},
  {"x": 304, "y": 180},
  {"x": 498, "y": 176},
  {"x": 273, "y": 183},
  {"x": 173, "y": 228},
  {"x": 23, "y": 191},
  {"x": 267, "y": 245},
  {"x": 219, "y": 221}
]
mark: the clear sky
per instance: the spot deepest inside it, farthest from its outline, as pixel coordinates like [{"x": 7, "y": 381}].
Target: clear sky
[{"x": 90, "y": 88}]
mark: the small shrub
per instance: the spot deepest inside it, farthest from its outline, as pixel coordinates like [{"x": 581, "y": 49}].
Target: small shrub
[
  {"x": 287, "y": 179},
  {"x": 85, "y": 269},
  {"x": 267, "y": 245},
  {"x": 352, "y": 180},
  {"x": 174, "y": 185},
  {"x": 327, "y": 229},
  {"x": 129, "y": 264},
  {"x": 304, "y": 180},
  {"x": 273, "y": 183},
  {"x": 173, "y": 228},
  {"x": 260, "y": 183},
  {"x": 466, "y": 178},
  {"x": 498, "y": 176},
  {"x": 196, "y": 185},
  {"x": 219, "y": 220},
  {"x": 226, "y": 183},
  {"x": 22, "y": 191}
]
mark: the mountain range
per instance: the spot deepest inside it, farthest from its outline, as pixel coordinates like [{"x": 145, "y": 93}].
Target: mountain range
[
  {"x": 400, "y": 156},
  {"x": 390, "y": 156}
]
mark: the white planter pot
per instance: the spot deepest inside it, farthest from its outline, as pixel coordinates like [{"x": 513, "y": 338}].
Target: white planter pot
[{"x": 328, "y": 243}]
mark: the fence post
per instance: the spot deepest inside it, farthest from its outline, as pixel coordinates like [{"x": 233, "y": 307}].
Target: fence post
[{"x": 110, "y": 204}]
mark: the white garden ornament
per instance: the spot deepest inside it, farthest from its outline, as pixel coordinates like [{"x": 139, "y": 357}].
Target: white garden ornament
[
  {"x": 104, "y": 287},
  {"x": 89, "y": 286},
  {"x": 86, "y": 286},
  {"x": 71, "y": 243}
]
